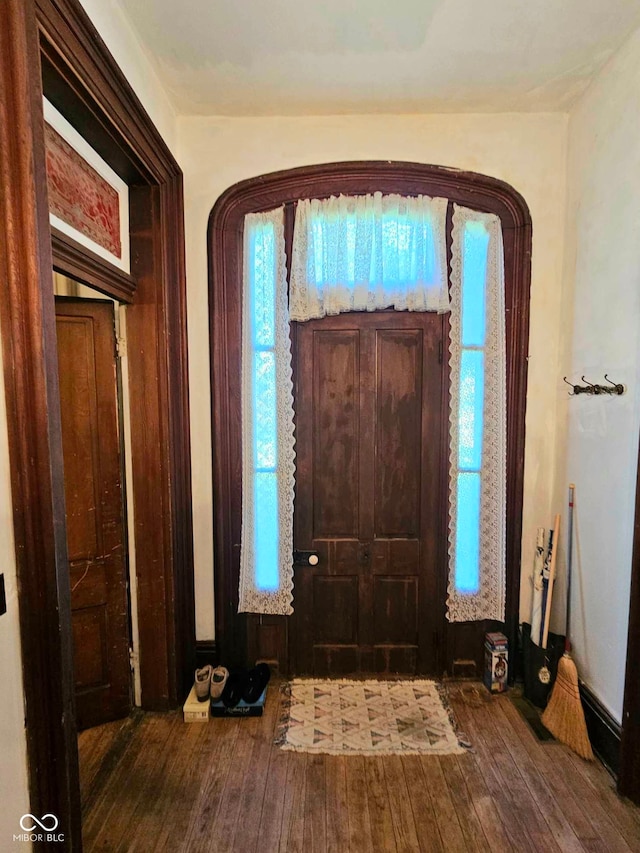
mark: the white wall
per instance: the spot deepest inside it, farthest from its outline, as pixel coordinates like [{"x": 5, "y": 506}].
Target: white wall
[
  {"x": 528, "y": 151},
  {"x": 601, "y": 334},
  {"x": 14, "y": 790}
]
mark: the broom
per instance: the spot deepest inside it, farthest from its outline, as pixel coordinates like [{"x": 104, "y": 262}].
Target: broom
[{"x": 564, "y": 716}]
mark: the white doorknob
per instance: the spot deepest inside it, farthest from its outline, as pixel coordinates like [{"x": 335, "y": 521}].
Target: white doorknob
[{"x": 313, "y": 560}]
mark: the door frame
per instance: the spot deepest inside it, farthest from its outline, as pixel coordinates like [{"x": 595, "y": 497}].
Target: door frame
[
  {"x": 242, "y": 637},
  {"x": 54, "y": 41},
  {"x": 629, "y": 774}
]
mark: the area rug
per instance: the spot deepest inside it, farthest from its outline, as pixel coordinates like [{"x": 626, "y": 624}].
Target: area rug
[{"x": 341, "y": 717}]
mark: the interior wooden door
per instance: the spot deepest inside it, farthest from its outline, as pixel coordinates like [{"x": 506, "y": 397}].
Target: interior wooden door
[
  {"x": 94, "y": 509},
  {"x": 369, "y": 494}
]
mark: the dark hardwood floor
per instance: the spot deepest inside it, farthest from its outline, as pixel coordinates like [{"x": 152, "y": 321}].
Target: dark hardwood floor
[{"x": 154, "y": 783}]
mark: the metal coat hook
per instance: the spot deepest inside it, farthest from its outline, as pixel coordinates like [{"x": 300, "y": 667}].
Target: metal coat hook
[
  {"x": 591, "y": 388},
  {"x": 617, "y": 387},
  {"x": 595, "y": 389}
]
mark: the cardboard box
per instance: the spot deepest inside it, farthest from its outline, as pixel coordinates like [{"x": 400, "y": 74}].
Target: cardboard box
[
  {"x": 496, "y": 662},
  {"x": 194, "y": 711},
  {"x": 242, "y": 709}
]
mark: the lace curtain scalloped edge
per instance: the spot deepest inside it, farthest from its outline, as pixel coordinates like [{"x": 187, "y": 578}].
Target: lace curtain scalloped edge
[
  {"x": 489, "y": 601},
  {"x": 251, "y": 599}
]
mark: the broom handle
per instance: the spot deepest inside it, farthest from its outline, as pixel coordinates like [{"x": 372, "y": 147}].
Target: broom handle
[
  {"x": 567, "y": 641},
  {"x": 552, "y": 577}
]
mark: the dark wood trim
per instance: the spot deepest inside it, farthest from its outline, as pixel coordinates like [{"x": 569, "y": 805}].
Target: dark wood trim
[
  {"x": 73, "y": 260},
  {"x": 130, "y": 142},
  {"x": 604, "y": 731},
  {"x": 93, "y": 94},
  {"x": 91, "y": 91},
  {"x": 206, "y": 652},
  {"x": 629, "y": 776},
  {"x": 33, "y": 416},
  {"x": 225, "y": 269}
]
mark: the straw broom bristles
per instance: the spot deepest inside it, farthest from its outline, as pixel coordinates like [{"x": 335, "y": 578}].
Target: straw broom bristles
[{"x": 564, "y": 716}]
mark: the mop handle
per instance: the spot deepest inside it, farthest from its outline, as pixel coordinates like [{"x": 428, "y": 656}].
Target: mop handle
[{"x": 567, "y": 641}]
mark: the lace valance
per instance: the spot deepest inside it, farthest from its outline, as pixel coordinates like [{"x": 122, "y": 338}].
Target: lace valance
[{"x": 365, "y": 253}]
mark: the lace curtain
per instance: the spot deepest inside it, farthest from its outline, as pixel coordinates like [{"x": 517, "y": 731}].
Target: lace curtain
[
  {"x": 364, "y": 253},
  {"x": 477, "y": 463},
  {"x": 268, "y": 450}
]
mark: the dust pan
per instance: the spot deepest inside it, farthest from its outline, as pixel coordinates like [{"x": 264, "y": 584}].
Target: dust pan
[{"x": 564, "y": 716}]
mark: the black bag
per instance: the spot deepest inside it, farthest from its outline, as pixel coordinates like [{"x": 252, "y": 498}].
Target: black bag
[{"x": 537, "y": 690}]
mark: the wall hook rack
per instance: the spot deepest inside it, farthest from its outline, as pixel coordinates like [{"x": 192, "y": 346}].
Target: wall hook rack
[{"x": 589, "y": 388}]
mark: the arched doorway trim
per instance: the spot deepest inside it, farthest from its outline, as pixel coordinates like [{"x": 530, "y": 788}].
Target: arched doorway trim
[{"x": 240, "y": 636}]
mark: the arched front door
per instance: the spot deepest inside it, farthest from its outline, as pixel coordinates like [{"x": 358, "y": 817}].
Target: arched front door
[{"x": 458, "y": 648}]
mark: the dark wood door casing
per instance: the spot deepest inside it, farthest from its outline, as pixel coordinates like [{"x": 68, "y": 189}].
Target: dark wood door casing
[
  {"x": 56, "y": 37},
  {"x": 35, "y": 448},
  {"x": 242, "y": 637},
  {"x": 82, "y": 80},
  {"x": 629, "y": 777},
  {"x": 94, "y": 509},
  {"x": 369, "y": 494}
]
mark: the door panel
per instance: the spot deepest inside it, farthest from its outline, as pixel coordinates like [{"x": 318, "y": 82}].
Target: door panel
[
  {"x": 94, "y": 507},
  {"x": 335, "y": 428},
  {"x": 368, "y": 494},
  {"x": 398, "y": 420}
]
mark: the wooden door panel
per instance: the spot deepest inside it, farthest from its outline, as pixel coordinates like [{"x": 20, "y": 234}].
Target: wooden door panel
[
  {"x": 94, "y": 592},
  {"x": 330, "y": 661},
  {"x": 335, "y": 428},
  {"x": 398, "y": 420},
  {"x": 396, "y": 556},
  {"x": 77, "y": 371},
  {"x": 90, "y": 647},
  {"x": 344, "y": 556},
  {"x": 94, "y": 507},
  {"x": 368, "y": 414},
  {"x": 395, "y": 659},
  {"x": 335, "y": 610},
  {"x": 395, "y": 610}
]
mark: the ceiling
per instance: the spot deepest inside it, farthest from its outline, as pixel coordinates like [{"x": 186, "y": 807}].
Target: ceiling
[{"x": 314, "y": 57}]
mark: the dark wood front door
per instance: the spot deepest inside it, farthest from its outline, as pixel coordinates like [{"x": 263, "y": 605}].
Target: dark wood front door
[
  {"x": 94, "y": 509},
  {"x": 369, "y": 494}
]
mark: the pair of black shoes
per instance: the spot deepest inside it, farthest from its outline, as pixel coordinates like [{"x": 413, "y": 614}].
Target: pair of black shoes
[{"x": 248, "y": 685}]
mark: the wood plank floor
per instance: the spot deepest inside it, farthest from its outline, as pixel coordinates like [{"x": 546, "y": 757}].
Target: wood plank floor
[{"x": 154, "y": 783}]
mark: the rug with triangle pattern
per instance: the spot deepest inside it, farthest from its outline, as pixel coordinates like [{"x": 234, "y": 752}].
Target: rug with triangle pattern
[{"x": 342, "y": 717}]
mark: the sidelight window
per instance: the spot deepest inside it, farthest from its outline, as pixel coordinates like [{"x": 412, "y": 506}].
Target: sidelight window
[
  {"x": 477, "y": 498},
  {"x": 267, "y": 421}
]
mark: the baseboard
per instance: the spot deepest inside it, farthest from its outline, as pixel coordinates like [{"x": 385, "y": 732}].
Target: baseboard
[
  {"x": 206, "y": 652},
  {"x": 604, "y": 731}
]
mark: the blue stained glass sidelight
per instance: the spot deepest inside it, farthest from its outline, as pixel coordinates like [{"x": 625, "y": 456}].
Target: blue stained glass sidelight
[
  {"x": 475, "y": 246},
  {"x": 264, "y": 409},
  {"x": 266, "y": 530},
  {"x": 265, "y": 456},
  {"x": 467, "y": 572},
  {"x": 263, "y": 286},
  {"x": 470, "y": 413},
  {"x": 474, "y": 277}
]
